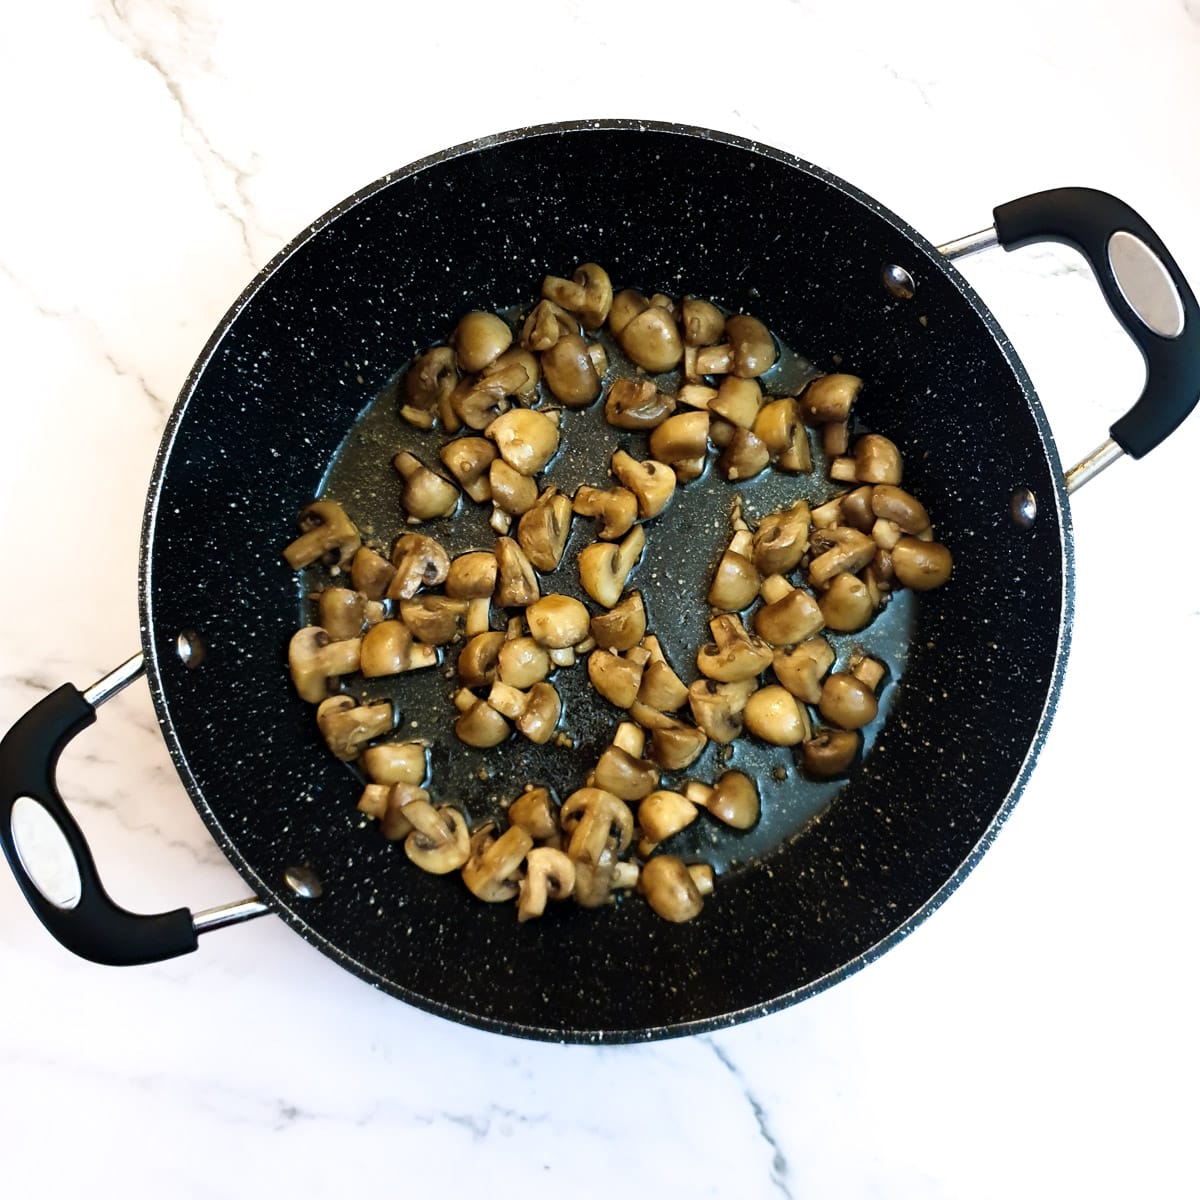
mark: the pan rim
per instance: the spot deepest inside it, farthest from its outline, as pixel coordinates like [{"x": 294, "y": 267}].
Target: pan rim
[{"x": 293, "y": 916}]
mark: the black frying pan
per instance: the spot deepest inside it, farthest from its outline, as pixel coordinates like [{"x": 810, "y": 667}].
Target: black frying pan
[{"x": 322, "y": 331}]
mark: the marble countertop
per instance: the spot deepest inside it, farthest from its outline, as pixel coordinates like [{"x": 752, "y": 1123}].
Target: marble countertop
[{"x": 1035, "y": 1037}]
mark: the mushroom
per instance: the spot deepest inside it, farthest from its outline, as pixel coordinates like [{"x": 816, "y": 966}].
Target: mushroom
[
  {"x": 512, "y": 492},
  {"x": 855, "y": 509},
  {"x": 543, "y": 530},
  {"x": 626, "y": 305},
  {"x": 736, "y": 580},
  {"x": 549, "y": 875},
  {"x": 488, "y": 872},
  {"x": 346, "y": 725},
  {"x": 847, "y": 702},
  {"x": 781, "y": 539},
  {"x": 472, "y": 575},
  {"x": 877, "y": 460},
  {"x": 479, "y": 399},
  {"x": 744, "y": 457},
  {"x": 604, "y": 567},
  {"x": 733, "y": 654},
  {"x": 420, "y": 561},
  {"x": 835, "y": 438},
  {"x": 617, "y": 678},
  {"x": 395, "y": 762},
  {"x": 702, "y": 323},
  {"x": 826, "y": 515},
  {"x": 870, "y": 670},
  {"x": 434, "y": 620},
  {"x": 516, "y": 583},
  {"x": 596, "y": 820},
  {"x": 557, "y": 621},
  {"x": 653, "y": 483},
  {"x": 314, "y": 658},
  {"x": 778, "y": 426},
  {"x": 674, "y": 745},
  {"x": 623, "y": 626},
  {"x": 623, "y": 773},
  {"x": 661, "y": 687},
  {"x": 829, "y": 752},
  {"x": 535, "y": 813},
  {"x": 753, "y": 346},
  {"x": 426, "y": 494},
  {"x": 681, "y": 442},
  {"x": 886, "y": 533},
  {"x": 370, "y": 573},
  {"x": 468, "y": 460},
  {"x": 695, "y": 395},
  {"x": 737, "y": 401},
  {"x": 846, "y": 604},
  {"x": 921, "y": 565},
  {"x": 830, "y": 398},
  {"x": 652, "y": 340},
  {"x": 479, "y": 339},
  {"x": 428, "y": 383},
  {"x": 373, "y": 801},
  {"x": 546, "y": 323},
  {"x": 341, "y": 612},
  {"x": 535, "y": 712},
  {"x": 478, "y": 660},
  {"x": 790, "y": 615},
  {"x": 516, "y": 373},
  {"x": 570, "y": 373},
  {"x": 478, "y": 723},
  {"x": 388, "y": 649},
  {"x": 670, "y": 889},
  {"x": 394, "y": 822},
  {"x": 326, "y": 533},
  {"x": 637, "y": 404},
  {"x": 717, "y": 708},
  {"x": 801, "y": 668},
  {"x": 773, "y": 714},
  {"x": 595, "y": 884},
  {"x": 661, "y": 815},
  {"x": 615, "y": 509},
  {"x": 522, "y": 662},
  {"x": 733, "y": 799},
  {"x": 526, "y": 439},
  {"x": 588, "y": 294},
  {"x": 439, "y": 842}
]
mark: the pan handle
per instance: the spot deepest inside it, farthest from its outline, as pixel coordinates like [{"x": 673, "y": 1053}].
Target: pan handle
[
  {"x": 81, "y": 915},
  {"x": 1143, "y": 286}
]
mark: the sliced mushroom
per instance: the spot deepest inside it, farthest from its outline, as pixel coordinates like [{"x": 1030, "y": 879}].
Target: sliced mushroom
[
  {"x": 535, "y": 813},
  {"x": 395, "y": 823},
  {"x": 427, "y": 383},
  {"x": 653, "y": 483},
  {"x": 314, "y": 658},
  {"x": 570, "y": 373},
  {"x": 801, "y": 668},
  {"x": 781, "y": 539},
  {"x": 615, "y": 509},
  {"x": 673, "y": 745},
  {"x": 779, "y": 428},
  {"x": 396, "y": 762},
  {"x": 535, "y": 712},
  {"x": 604, "y": 567},
  {"x": 652, "y": 340},
  {"x": 526, "y": 439},
  {"x": 847, "y": 702},
  {"x": 661, "y": 687},
  {"x": 596, "y": 820},
  {"x": 370, "y": 573},
  {"x": 717, "y": 708},
  {"x": 695, "y": 395},
  {"x": 341, "y": 612},
  {"x": 702, "y": 323},
  {"x": 543, "y": 531},
  {"x": 617, "y": 678},
  {"x": 326, "y": 533},
  {"x": 347, "y": 725},
  {"x": 733, "y": 654},
  {"x": 670, "y": 889},
  {"x": 557, "y": 621},
  {"x": 623, "y": 626},
  {"x": 793, "y": 617},
  {"x": 830, "y": 752},
  {"x": 830, "y": 398},
  {"x": 479, "y": 339},
  {"x": 439, "y": 842},
  {"x": 877, "y": 460},
  {"x": 468, "y": 460},
  {"x": 588, "y": 294},
  {"x": 420, "y": 562},
  {"x": 921, "y": 565},
  {"x": 516, "y": 583},
  {"x": 489, "y": 871},
  {"x": 744, "y": 457},
  {"x": 545, "y": 325},
  {"x": 637, "y": 404},
  {"x": 773, "y": 714},
  {"x": 522, "y": 662},
  {"x": 478, "y": 723},
  {"x": 426, "y": 494},
  {"x": 733, "y": 799},
  {"x": 826, "y": 515},
  {"x": 736, "y": 580},
  {"x": 389, "y": 649},
  {"x": 434, "y": 620},
  {"x": 549, "y": 875},
  {"x": 661, "y": 815}
]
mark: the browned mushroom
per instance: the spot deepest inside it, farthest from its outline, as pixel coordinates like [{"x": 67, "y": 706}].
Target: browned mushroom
[
  {"x": 653, "y": 483},
  {"x": 847, "y": 604},
  {"x": 489, "y": 871},
  {"x": 636, "y": 404},
  {"x": 789, "y": 615},
  {"x": 624, "y": 773},
  {"x": 370, "y": 573},
  {"x": 921, "y": 565},
  {"x": 779, "y": 428},
  {"x": 604, "y": 567},
  {"x": 512, "y": 494},
  {"x": 478, "y": 723},
  {"x": 801, "y": 668},
  {"x": 521, "y": 662},
  {"x": 314, "y": 658},
  {"x": 434, "y": 620},
  {"x": 737, "y": 401},
  {"x": 420, "y": 562},
  {"x": 347, "y": 725},
  {"x": 478, "y": 660},
  {"x": 389, "y": 649},
  {"x": 535, "y": 713},
  {"x": 543, "y": 530},
  {"x": 326, "y": 534},
  {"x": 744, "y": 456},
  {"x": 341, "y": 612},
  {"x": 670, "y": 889},
  {"x": 702, "y": 323},
  {"x": 733, "y": 799},
  {"x": 617, "y": 677},
  {"x": 673, "y": 745},
  {"x": 626, "y": 305},
  {"x": 661, "y": 815},
  {"x": 830, "y": 752},
  {"x": 570, "y": 373},
  {"x": 472, "y": 574},
  {"x": 623, "y": 626},
  {"x": 615, "y": 509},
  {"x": 526, "y": 438},
  {"x": 428, "y": 382},
  {"x": 439, "y": 842},
  {"x": 516, "y": 583},
  {"x": 546, "y": 323},
  {"x": 549, "y": 875},
  {"x": 733, "y": 654},
  {"x": 652, "y": 340},
  {"x": 661, "y": 687},
  {"x": 774, "y": 715},
  {"x": 479, "y": 339},
  {"x": 557, "y": 621},
  {"x": 781, "y": 539},
  {"x": 426, "y": 494},
  {"x": 877, "y": 460},
  {"x": 588, "y": 294},
  {"x": 468, "y": 460},
  {"x": 717, "y": 708},
  {"x": 596, "y": 820},
  {"x": 396, "y": 762},
  {"x": 681, "y": 442},
  {"x": 847, "y": 702},
  {"x": 830, "y": 398},
  {"x": 535, "y": 813}
]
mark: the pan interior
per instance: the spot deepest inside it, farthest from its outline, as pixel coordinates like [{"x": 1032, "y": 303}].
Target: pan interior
[{"x": 289, "y": 376}]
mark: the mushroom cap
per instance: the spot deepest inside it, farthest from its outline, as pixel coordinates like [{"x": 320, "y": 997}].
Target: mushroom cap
[
  {"x": 479, "y": 339},
  {"x": 615, "y": 509},
  {"x": 313, "y": 657},
  {"x": 557, "y": 621},
  {"x": 543, "y": 530},
  {"x": 670, "y": 889},
  {"x": 619, "y": 772},
  {"x": 526, "y": 439},
  {"x": 773, "y": 714}
]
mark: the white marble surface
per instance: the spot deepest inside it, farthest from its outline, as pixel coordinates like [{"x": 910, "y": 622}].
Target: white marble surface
[{"x": 1037, "y": 1037}]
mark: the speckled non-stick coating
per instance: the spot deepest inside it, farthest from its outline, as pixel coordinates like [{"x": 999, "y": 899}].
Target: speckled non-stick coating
[{"x": 322, "y": 330}]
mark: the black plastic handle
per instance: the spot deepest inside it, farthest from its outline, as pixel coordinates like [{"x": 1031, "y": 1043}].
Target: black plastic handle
[
  {"x": 1088, "y": 219},
  {"x": 95, "y": 928}
]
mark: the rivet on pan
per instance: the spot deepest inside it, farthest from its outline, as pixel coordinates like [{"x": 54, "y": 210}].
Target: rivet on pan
[
  {"x": 1023, "y": 507},
  {"x": 190, "y": 648},
  {"x": 898, "y": 281},
  {"x": 303, "y": 881}
]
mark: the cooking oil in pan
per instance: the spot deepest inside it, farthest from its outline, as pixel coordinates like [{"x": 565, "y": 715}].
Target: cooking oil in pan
[{"x": 683, "y": 545}]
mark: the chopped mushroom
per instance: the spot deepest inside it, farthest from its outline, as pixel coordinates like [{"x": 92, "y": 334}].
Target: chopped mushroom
[
  {"x": 395, "y": 762},
  {"x": 781, "y": 539},
  {"x": 570, "y": 373},
  {"x": 420, "y": 562},
  {"x": 653, "y": 483},
  {"x": 661, "y": 687},
  {"x": 847, "y": 702},
  {"x": 921, "y": 565},
  {"x": 717, "y": 708},
  {"x": 733, "y": 654},
  {"x": 744, "y": 457},
  {"x": 623, "y": 773},
  {"x": 673, "y": 745},
  {"x": 790, "y": 616},
  {"x": 472, "y": 575},
  {"x": 830, "y": 752},
  {"x": 604, "y": 567},
  {"x": 877, "y": 460},
  {"x": 535, "y": 712},
  {"x": 779, "y": 428},
  {"x": 526, "y": 439},
  {"x": 516, "y": 583},
  {"x": 737, "y": 401},
  {"x": 549, "y": 875},
  {"x": 670, "y": 889},
  {"x": 434, "y": 620},
  {"x": 736, "y": 580},
  {"x": 341, "y": 612},
  {"x": 543, "y": 530},
  {"x": 468, "y": 460},
  {"x": 512, "y": 493},
  {"x": 389, "y": 649},
  {"x": 774, "y": 715},
  {"x": 557, "y": 621},
  {"x": 847, "y": 604},
  {"x": 478, "y": 723},
  {"x": 838, "y": 550},
  {"x": 347, "y": 725},
  {"x": 314, "y": 658},
  {"x": 326, "y": 533},
  {"x": 546, "y": 323},
  {"x": 681, "y": 442},
  {"x": 615, "y": 509},
  {"x": 428, "y": 383},
  {"x": 522, "y": 662},
  {"x": 370, "y": 573},
  {"x": 637, "y": 404},
  {"x": 596, "y": 820},
  {"x": 702, "y": 323},
  {"x": 623, "y": 626},
  {"x": 535, "y": 813},
  {"x": 801, "y": 668},
  {"x": 426, "y": 494},
  {"x": 489, "y": 871},
  {"x": 830, "y": 398},
  {"x": 588, "y": 294},
  {"x": 661, "y": 815},
  {"x": 479, "y": 339},
  {"x": 733, "y": 799},
  {"x": 652, "y": 340},
  {"x": 478, "y": 660},
  {"x": 439, "y": 842},
  {"x": 617, "y": 678}
]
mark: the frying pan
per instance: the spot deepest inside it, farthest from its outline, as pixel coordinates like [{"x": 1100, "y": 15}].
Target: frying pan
[{"x": 279, "y": 394}]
